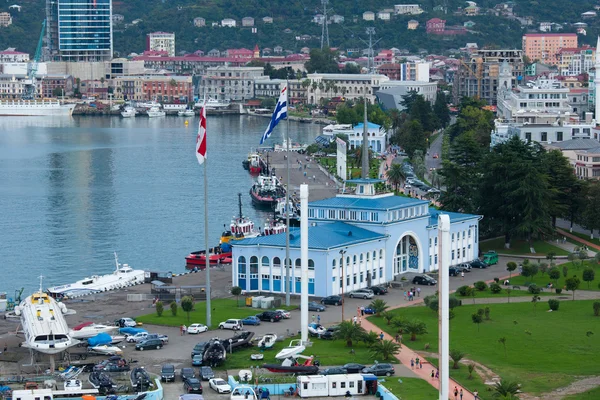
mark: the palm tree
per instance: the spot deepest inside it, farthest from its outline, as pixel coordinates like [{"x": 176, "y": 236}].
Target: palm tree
[
  {"x": 370, "y": 337},
  {"x": 504, "y": 388},
  {"x": 314, "y": 85},
  {"x": 349, "y": 332},
  {"x": 379, "y": 306},
  {"x": 306, "y": 83},
  {"x": 456, "y": 355},
  {"x": 395, "y": 175},
  {"x": 414, "y": 328},
  {"x": 398, "y": 323},
  {"x": 388, "y": 316},
  {"x": 384, "y": 349}
]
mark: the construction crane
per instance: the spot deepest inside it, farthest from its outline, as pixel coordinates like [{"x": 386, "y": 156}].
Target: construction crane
[
  {"x": 478, "y": 73},
  {"x": 29, "y": 83}
]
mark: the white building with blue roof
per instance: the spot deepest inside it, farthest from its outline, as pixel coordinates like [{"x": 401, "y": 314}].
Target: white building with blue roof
[{"x": 365, "y": 238}]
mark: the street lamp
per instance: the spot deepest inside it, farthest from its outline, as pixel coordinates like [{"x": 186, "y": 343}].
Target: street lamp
[{"x": 342, "y": 252}]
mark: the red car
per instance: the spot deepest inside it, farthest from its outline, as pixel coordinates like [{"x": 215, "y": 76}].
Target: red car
[{"x": 435, "y": 155}]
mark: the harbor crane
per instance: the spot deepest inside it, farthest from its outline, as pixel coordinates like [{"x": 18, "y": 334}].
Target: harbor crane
[{"x": 29, "y": 83}]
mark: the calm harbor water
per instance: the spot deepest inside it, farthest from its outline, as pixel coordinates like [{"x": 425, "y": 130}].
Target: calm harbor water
[{"x": 74, "y": 190}]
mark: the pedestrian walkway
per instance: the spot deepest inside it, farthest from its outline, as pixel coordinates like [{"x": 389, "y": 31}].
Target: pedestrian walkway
[
  {"x": 589, "y": 244},
  {"x": 570, "y": 247}
]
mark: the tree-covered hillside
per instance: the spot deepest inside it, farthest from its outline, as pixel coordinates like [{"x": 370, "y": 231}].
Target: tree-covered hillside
[{"x": 294, "y": 17}]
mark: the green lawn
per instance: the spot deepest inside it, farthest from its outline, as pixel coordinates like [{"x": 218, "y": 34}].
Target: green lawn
[
  {"x": 461, "y": 375},
  {"x": 486, "y": 294},
  {"x": 593, "y": 394},
  {"x": 521, "y": 247},
  {"x": 544, "y": 350},
  {"x": 577, "y": 269},
  {"x": 222, "y": 310},
  {"x": 586, "y": 236},
  {"x": 410, "y": 388},
  {"x": 328, "y": 352}
]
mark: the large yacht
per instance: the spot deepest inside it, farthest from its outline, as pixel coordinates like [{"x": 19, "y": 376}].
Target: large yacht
[{"x": 43, "y": 323}]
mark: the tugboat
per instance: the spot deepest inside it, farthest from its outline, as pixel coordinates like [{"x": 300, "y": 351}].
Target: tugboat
[
  {"x": 266, "y": 192},
  {"x": 241, "y": 227},
  {"x": 294, "y": 212},
  {"x": 274, "y": 228}
]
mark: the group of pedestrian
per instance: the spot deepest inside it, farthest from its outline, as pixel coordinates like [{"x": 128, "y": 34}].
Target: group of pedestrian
[
  {"x": 416, "y": 362},
  {"x": 458, "y": 393},
  {"x": 357, "y": 320},
  {"x": 398, "y": 338},
  {"x": 435, "y": 374},
  {"x": 317, "y": 318},
  {"x": 411, "y": 293}
]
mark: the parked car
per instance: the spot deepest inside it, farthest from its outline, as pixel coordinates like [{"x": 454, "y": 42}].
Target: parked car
[
  {"x": 464, "y": 267},
  {"x": 380, "y": 369},
  {"x": 284, "y": 313},
  {"x": 138, "y": 337},
  {"x": 334, "y": 300},
  {"x": 125, "y": 322},
  {"x": 167, "y": 373},
  {"x": 378, "y": 290},
  {"x": 187, "y": 373},
  {"x": 199, "y": 349},
  {"x": 197, "y": 360},
  {"x": 478, "y": 264},
  {"x": 362, "y": 294},
  {"x": 192, "y": 385},
  {"x": 333, "y": 371},
  {"x": 330, "y": 332},
  {"x": 452, "y": 271},
  {"x": 271, "y": 316},
  {"x": 206, "y": 373},
  {"x": 353, "y": 368},
  {"x": 424, "y": 280},
  {"x": 314, "y": 306},
  {"x": 316, "y": 329},
  {"x": 235, "y": 324},
  {"x": 163, "y": 338},
  {"x": 251, "y": 320},
  {"x": 219, "y": 385},
  {"x": 149, "y": 344},
  {"x": 197, "y": 328},
  {"x": 369, "y": 310}
]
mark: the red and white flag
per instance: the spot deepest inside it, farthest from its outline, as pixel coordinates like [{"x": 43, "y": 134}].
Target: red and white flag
[{"x": 201, "y": 139}]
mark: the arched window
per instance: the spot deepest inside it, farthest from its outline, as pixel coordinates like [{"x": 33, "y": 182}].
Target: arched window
[
  {"x": 254, "y": 265},
  {"x": 368, "y": 255},
  {"x": 361, "y": 257},
  {"x": 276, "y": 262},
  {"x": 298, "y": 263},
  {"x": 348, "y": 260},
  {"x": 265, "y": 261},
  {"x": 381, "y": 253},
  {"x": 242, "y": 265},
  {"x": 354, "y": 259},
  {"x": 333, "y": 264},
  {"x": 374, "y": 255},
  {"x": 311, "y": 264}
]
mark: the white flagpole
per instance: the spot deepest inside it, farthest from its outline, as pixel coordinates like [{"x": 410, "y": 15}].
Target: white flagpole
[
  {"x": 207, "y": 263},
  {"x": 287, "y": 201}
]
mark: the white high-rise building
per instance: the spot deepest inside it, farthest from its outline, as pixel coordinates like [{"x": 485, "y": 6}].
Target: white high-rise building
[{"x": 161, "y": 41}]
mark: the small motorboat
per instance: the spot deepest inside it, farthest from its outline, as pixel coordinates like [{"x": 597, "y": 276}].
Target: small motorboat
[
  {"x": 245, "y": 375},
  {"x": 291, "y": 366},
  {"x": 106, "y": 349},
  {"x": 257, "y": 356},
  {"x": 88, "y": 330},
  {"x": 116, "y": 339},
  {"x": 267, "y": 341},
  {"x": 155, "y": 112},
  {"x": 316, "y": 329},
  {"x": 293, "y": 349},
  {"x": 238, "y": 341},
  {"x": 73, "y": 385},
  {"x": 99, "y": 379},
  {"x": 243, "y": 392},
  {"x": 185, "y": 113},
  {"x": 128, "y": 112},
  {"x": 140, "y": 380},
  {"x": 215, "y": 353}
]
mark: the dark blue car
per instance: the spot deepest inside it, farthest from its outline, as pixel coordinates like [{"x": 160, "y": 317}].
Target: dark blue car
[{"x": 251, "y": 320}]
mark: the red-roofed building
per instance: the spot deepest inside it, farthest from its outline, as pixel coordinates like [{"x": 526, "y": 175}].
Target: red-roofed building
[
  {"x": 544, "y": 47},
  {"x": 575, "y": 61},
  {"x": 239, "y": 53},
  {"x": 10, "y": 55},
  {"x": 384, "y": 56},
  {"x": 436, "y": 26}
]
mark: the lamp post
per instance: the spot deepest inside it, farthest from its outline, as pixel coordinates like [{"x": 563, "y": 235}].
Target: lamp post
[{"x": 342, "y": 252}]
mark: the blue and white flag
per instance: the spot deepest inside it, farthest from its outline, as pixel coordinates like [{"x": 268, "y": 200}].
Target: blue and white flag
[{"x": 279, "y": 114}]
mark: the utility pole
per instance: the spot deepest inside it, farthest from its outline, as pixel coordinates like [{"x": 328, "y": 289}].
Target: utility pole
[
  {"x": 325, "y": 28},
  {"x": 370, "y": 31}
]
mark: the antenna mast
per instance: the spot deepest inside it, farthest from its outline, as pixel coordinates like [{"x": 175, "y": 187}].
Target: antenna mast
[
  {"x": 370, "y": 31},
  {"x": 325, "y": 28}
]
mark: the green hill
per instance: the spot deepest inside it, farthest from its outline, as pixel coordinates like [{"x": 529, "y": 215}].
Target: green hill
[{"x": 296, "y": 15}]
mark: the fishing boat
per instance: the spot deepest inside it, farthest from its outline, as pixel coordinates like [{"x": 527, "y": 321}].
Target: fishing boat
[
  {"x": 256, "y": 165},
  {"x": 122, "y": 276},
  {"x": 240, "y": 227},
  {"x": 266, "y": 192},
  {"x": 267, "y": 341},
  {"x": 155, "y": 111},
  {"x": 88, "y": 330},
  {"x": 291, "y": 366},
  {"x": 274, "y": 228},
  {"x": 215, "y": 353},
  {"x": 128, "y": 112},
  {"x": 293, "y": 349},
  {"x": 44, "y": 325},
  {"x": 186, "y": 113}
]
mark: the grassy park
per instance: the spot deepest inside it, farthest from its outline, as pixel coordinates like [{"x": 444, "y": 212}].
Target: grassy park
[
  {"x": 574, "y": 268},
  {"x": 487, "y": 294},
  {"x": 519, "y": 247},
  {"x": 410, "y": 388},
  {"x": 543, "y": 350}
]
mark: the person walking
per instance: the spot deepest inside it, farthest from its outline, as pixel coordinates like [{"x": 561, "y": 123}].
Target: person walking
[
  {"x": 455, "y": 393},
  {"x": 181, "y": 330},
  {"x": 184, "y": 329},
  {"x": 461, "y": 394},
  {"x": 381, "y": 336},
  {"x": 476, "y": 395},
  {"x": 412, "y": 363},
  {"x": 405, "y": 295},
  {"x": 432, "y": 374},
  {"x": 397, "y": 338},
  {"x": 313, "y": 318},
  {"x": 437, "y": 374},
  {"x": 362, "y": 310},
  {"x": 417, "y": 360},
  {"x": 418, "y": 292},
  {"x": 319, "y": 319},
  {"x": 462, "y": 275},
  {"x": 355, "y": 320}
]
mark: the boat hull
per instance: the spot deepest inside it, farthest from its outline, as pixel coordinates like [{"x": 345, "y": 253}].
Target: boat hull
[
  {"x": 267, "y": 203},
  {"x": 298, "y": 370},
  {"x": 35, "y": 108}
]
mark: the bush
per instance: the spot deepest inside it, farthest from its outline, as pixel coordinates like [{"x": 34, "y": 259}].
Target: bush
[
  {"x": 497, "y": 280},
  {"x": 597, "y": 308},
  {"x": 174, "y": 309},
  {"x": 464, "y": 290},
  {"x": 434, "y": 304},
  {"x": 558, "y": 290},
  {"x": 429, "y": 298},
  {"x": 454, "y": 302},
  {"x": 553, "y": 304},
  {"x": 533, "y": 289},
  {"x": 487, "y": 313},
  {"x": 495, "y": 288},
  {"x": 159, "y": 308},
  {"x": 481, "y": 312},
  {"x": 480, "y": 285}
]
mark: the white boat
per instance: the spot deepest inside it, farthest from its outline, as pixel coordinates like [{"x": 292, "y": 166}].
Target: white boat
[
  {"x": 213, "y": 104},
  {"x": 155, "y": 112},
  {"x": 91, "y": 330},
  {"x": 123, "y": 276},
  {"x": 44, "y": 324},
  {"x": 267, "y": 341},
  {"x": 106, "y": 349},
  {"x": 73, "y": 385},
  {"x": 174, "y": 107},
  {"x": 245, "y": 375},
  {"x": 243, "y": 392},
  {"x": 294, "y": 348},
  {"x": 300, "y": 148},
  {"x": 116, "y": 339},
  {"x": 148, "y": 104},
  {"x": 46, "y": 107},
  {"x": 128, "y": 112},
  {"x": 334, "y": 129},
  {"x": 186, "y": 113}
]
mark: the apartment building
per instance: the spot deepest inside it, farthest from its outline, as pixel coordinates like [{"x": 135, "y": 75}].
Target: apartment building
[
  {"x": 350, "y": 86},
  {"x": 544, "y": 47},
  {"x": 161, "y": 41},
  {"x": 230, "y": 83}
]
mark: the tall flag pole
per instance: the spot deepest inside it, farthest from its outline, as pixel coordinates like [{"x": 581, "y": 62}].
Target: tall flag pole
[
  {"x": 280, "y": 113},
  {"x": 201, "y": 156}
]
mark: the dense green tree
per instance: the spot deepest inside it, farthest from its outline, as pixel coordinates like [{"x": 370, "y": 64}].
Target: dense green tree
[
  {"x": 562, "y": 180},
  {"x": 440, "y": 109},
  {"x": 472, "y": 118},
  {"x": 351, "y": 68},
  {"x": 418, "y": 163},
  {"x": 395, "y": 175},
  {"x": 187, "y": 305},
  {"x": 322, "y": 61},
  {"x": 572, "y": 284},
  {"x": 589, "y": 274},
  {"x": 411, "y": 137},
  {"x": 591, "y": 212}
]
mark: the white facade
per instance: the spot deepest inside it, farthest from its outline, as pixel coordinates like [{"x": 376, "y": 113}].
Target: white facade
[
  {"x": 369, "y": 16},
  {"x": 161, "y": 41},
  {"x": 350, "y": 86},
  {"x": 12, "y": 56},
  {"x": 228, "y": 22},
  {"x": 409, "y": 9},
  {"x": 199, "y": 22},
  {"x": 384, "y": 15},
  {"x": 230, "y": 83}
]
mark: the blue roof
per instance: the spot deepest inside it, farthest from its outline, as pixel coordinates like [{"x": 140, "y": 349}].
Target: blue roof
[
  {"x": 454, "y": 216},
  {"x": 368, "y": 203},
  {"x": 370, "y": 125},
  {"x": 320, "y": 237}
]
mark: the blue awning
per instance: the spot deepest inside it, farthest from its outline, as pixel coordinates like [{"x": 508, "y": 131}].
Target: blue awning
[{"x": 369, "y": 377}]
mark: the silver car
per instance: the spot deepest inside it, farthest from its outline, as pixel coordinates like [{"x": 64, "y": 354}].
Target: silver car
[{"x": 362, "y": 294}]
